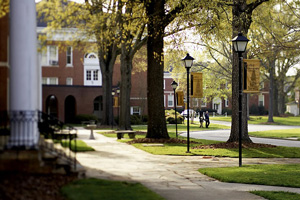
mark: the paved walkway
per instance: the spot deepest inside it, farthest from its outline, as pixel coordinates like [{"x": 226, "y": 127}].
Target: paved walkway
[
  {"x": 173, "y": 177},
  {"x": 223, "y": 135}
]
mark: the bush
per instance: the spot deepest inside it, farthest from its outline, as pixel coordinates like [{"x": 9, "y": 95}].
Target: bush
[
  {"x": 135, "y": 120},
  {"x": 171, "y": 120},
  {"x": 229, "y": 111},
  {"x": 85, "y": 117},
  {"x": 257, "y": 110},
  {"x": 170, "y": 117},
  {"x": 145, "y": 118}
]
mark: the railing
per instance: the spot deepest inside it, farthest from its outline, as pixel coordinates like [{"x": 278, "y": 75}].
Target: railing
[
  {"x": 49, "y": 128},
  {"x": 4, "y": 129},
  {"x": 52, "y": 128}
]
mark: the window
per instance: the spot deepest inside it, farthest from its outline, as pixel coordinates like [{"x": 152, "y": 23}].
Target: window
[
  {"x": 170, "y": 100},
  {"x": 226, "y": 102},
  {"x": 95, "y": 75},
  {"x": 69, "y": 56},
  {"x": 89, "y": 75},
  {"x": 50, "y": 55},
  {"x": 96, "y": 106},
  {"x": 135, "y": 110},
  {"x": 92, "y": 75},
  {"x": 50, "y": 80},
  {"x": 261, "y": 101},
  {"x": 69, "y": 81}
]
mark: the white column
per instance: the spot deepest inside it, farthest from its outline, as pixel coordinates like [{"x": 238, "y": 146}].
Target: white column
[{"x": 24, "y": 85}]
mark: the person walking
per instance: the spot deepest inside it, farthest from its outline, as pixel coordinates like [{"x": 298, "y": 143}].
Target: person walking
[
  {"x": 207, "y": 122},
  {"x": 201, "y": 119}
]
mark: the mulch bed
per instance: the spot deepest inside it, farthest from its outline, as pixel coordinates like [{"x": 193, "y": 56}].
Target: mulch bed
[
  {"x": 233, "y": 145},
  {"x": 29, "y": 186},
  {"x": 163, "y": 141}
]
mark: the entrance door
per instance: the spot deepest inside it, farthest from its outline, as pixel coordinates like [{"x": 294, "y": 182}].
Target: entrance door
[
  {"x": 52, "y": 106},
  {"x": 70, "y": 109}
]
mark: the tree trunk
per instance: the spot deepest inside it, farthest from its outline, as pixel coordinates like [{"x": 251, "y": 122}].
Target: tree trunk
[
  {"x": 281, "y": 98},
  {"x": 240, "y": 23},
  {"x": 155, "y": 95},
  {"x": 125, "y": 89},
  {"x": 271, "y": 70},
  {"x": 275, "y": 97},
  {"x": 106, "y": 65}
]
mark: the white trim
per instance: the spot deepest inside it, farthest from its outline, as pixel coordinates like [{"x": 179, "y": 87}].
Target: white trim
[
  {"x": 3, "y": 64},
  {"x": 138, "y": 98}
]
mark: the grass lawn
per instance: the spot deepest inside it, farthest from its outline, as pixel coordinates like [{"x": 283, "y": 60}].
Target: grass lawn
[
  {"x": 109, "y": 190},
  {"x": 276, "y": 175},
  {"x": 287, "y": 133},
  {"x": 291, "y": 121},
  {"x": 180, "y": 149},
  {"x": 183, "y": 127},
  {"x": 81, "y": 145},
  {"x": 277, "y": 195}
]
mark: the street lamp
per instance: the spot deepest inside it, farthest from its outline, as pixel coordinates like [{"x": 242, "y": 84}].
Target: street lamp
[
  {"x": 239, "y": 45},
  {"x": 112, "y": 109},
  {"x": 174, "y": 86},
  {"x": 188, "y": 62},
  {"x": 118, "y": 93}
]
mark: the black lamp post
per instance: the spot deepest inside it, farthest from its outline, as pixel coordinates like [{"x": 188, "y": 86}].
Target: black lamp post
[
  {"x": 239, "y": 45},
  {"x": 188, "y": 62},
  {"x": 174, "y": 86},
  {"x": 112, "y": 109},
  {"x": 118, "y": 93}
]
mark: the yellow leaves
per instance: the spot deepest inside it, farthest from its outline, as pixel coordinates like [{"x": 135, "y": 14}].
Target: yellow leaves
[{"x": 4, "y": 7}]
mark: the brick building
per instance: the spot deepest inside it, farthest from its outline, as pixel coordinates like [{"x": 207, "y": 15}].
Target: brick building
[{"x": 72, "y": 83}]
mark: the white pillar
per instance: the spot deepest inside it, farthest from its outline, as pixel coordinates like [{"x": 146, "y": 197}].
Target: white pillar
[{"x": 24, "y": 85}]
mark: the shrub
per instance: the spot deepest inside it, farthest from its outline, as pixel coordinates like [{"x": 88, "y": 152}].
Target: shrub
[
  {"x": 170, "y": 117},
  {"x": 85, "y": 117},
  {"x": 135, "y": 120},
  {"x": 229, "y": 111},
  {"x": 257, "y": 110}
]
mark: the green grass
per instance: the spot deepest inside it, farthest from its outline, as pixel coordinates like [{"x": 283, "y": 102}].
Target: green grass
[
  {"x": 183, "y": 127},
  {"x": 94, "y": 189},
  {"x": 275, "y": 175},
  {"x": 81, "y": 145},
  {"x": 277, "y": 195},
  {"x": 180, "y": 149},
  {"x": 287, "y": 133},
  {"x": 291, "y": 121}
]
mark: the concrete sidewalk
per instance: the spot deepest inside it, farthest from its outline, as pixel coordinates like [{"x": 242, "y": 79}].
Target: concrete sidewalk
[{"x": 173, "y": 177}]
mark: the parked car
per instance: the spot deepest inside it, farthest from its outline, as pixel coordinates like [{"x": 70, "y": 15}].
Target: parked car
[{"x": 185, "y": 112}]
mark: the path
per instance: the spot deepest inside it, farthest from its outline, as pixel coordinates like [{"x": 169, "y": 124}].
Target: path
[
  {"x": 223, "y": 135},
  {"x": 173, "y": 177}
]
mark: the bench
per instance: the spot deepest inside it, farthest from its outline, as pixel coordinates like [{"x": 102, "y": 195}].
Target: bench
[
  {"x": 120, "y": 134},
  {"x": 88, "y": 122}
]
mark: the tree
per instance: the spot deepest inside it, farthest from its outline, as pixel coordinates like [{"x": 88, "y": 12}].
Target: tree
[
  {"x": 133, "y": 37},
  {"x": 276, "y": 45},
  {"x": 241, "y": 21},
  {"x": 96, "y": 24}
]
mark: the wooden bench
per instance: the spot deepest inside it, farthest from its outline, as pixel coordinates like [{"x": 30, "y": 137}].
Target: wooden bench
[{"x": 120, "y": 134}]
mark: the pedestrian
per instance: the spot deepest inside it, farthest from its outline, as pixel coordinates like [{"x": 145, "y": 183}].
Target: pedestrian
[
  {"x": 201, "y": 118},
  {"x": 201, "y": 121},
  {"x": 207, "y": 122}
]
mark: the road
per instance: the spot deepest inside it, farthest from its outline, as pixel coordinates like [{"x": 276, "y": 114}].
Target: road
[{"x": 223, "y": 135}]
